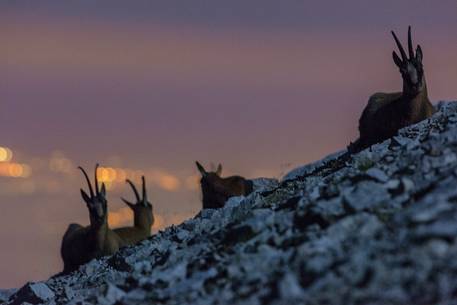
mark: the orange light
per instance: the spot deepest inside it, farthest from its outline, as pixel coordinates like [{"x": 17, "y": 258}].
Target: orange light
[
  {"x": 120, "y": 217},
  {"x": 193, "y": 182},
  {"x": 121, "y": 175},
  {"x": 169, "y": 182},
  {"x": 26, "y": 171},
  {"x": 5, "y": 154},
  {"x": 15, "y": 170},
  {"x": 111, "y": 174},
  {"x": 59, "y": 163}
]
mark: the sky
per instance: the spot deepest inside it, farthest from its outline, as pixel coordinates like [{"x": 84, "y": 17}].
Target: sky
[{"x": 148, "y": 87}]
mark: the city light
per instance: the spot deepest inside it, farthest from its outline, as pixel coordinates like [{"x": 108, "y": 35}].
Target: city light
[
  {"x": 5, "y": 154},
  {"x": 15, "y": 170}
]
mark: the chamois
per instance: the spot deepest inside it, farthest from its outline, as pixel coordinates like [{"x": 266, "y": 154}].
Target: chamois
[
  {"x": 82, "y": 244},
  {"x": 143, "y": 217},
  {"x": 216, "y": 190},
  {"x": 386, "y": 113}
]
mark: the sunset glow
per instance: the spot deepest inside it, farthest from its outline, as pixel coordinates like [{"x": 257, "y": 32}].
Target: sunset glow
[{"x": 149, "y": 87}]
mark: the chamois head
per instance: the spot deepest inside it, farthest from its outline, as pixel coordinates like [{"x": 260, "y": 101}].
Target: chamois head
[
  {"x": 213, "y": 187},
  {"x": 96, "y": 202},
  {"x": 411, "y": 68},
  {"x": 142, "y": 209}
]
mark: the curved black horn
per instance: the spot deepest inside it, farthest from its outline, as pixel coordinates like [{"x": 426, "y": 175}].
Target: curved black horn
[
  {"x": 134, "y": 189},
  {"x": 400, "y": 47},
  {"x": 410, "y": 44},
  {"x": 88, "y": 181},
  {"x": 97, "y": 191},
  {"x": 145, "y": 195}
]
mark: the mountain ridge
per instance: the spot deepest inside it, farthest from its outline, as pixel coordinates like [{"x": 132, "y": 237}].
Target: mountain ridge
[{"x": 377, "y": 227}]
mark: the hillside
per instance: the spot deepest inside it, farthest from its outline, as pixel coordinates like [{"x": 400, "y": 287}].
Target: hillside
[{"x": 379, "y": 227}]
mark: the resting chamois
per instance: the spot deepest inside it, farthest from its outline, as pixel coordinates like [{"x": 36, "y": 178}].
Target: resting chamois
[
  {"x": 217, "y": 190},
  {"x": 82, "y": 244},
  {"x": 143, "y": 217},
  {"x": 386, "y": 113}
]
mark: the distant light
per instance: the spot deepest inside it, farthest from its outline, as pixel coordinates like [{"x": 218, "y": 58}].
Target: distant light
[
  {"x": 120, "y": 217},
  {"x": 121, "y": 175},
  {"x": 109, "y": 185},
  {"x": 111, "y": 173},
  {"x": 193, "y": 182},
  {"x": 112, "y": 176},
  {"x": 169, "y": 182},
  {"x": 136, "y": 175},
  {"x": 59, "y": 163},
  {"x": 5, "y": 154},
  {"x": 102, "y": 174},
  {"x": 26, "y": 171},
  {"x": 106, "y": 174},
  {"x": 15, "y": 170}
]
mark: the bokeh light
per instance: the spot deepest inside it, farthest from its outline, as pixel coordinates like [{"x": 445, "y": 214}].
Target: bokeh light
[
  {"x": 5, "y": 154},
  {"x": 60, "y": 164},
  {"x": 169, "y": 182},
  {"x": 121, "y": 217},
  {"x": 193, "y": 182},
  {"x": 15, "y": 170}
]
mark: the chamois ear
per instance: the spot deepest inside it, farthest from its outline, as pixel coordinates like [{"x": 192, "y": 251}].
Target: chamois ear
[
  {"x": 219, "y": 169},
  {"x": 419, "y": 54},
  {"x": 201, "y": 169},
  {"x": 85, "y": 196},
  {"x": 397, "y": 59},
  {"x": 103, "y": 190}
]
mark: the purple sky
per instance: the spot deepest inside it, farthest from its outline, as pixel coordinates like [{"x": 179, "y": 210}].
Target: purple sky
[{"x": 261, "y": 86}]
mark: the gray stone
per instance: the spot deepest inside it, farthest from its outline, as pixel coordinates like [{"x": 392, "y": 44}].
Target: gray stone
[
  {"x": 377, "y": 174},
  {"x": 33, "y": 293},
  {"x": 379, "y": 227}
]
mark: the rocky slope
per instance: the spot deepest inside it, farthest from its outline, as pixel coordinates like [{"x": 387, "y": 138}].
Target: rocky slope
[{"x": 379, "y": 227}]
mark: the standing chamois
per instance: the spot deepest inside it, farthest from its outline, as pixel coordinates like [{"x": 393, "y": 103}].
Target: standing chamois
[
  {"x": 82, "y": 244},
  {"x": 143, "y": 217},
  {"x": 386, "y": 113},
  {"x": 216, "y": 190}
]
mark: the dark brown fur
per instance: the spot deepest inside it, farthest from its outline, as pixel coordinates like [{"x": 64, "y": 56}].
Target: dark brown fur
[
  {"x": 386, "y": 113},
  {"x": 217, "y": 190},
  {"x": 82, "y": 244},
  {"x": 143, "y": 218}
]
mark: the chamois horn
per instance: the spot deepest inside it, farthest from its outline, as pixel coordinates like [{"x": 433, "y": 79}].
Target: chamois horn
[
  {"x": 400, "y": 47},
  {"x": 137, "y": 196},
  {"x": 410, "y": 44},
  {"x": 145, "y": 195},
  {"x": 96, "y": 180},
  {"x": 88, "y": 181}
]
